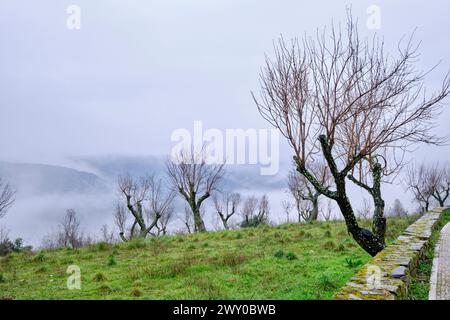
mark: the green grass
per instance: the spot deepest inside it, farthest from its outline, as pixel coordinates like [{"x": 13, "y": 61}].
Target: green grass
[
  {"x": 420, "y": 283},
  {"x": 292, "y": 261}
]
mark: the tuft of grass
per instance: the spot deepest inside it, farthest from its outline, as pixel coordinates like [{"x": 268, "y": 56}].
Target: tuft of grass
[
  {"x": 291, "y": 256},
  {"x": 327, "y": 234},
  {"x": 111, "y": 261},
  {"x": 2, "y": 278},
  {"x": 353, "y": 264},
  {"x": 329, "y": 245},
  {"x": 99, "y": 277},
  {"x": 136, "y": 292},
  {"x": 40, "y": 257},
  {"x": 279, "y": 254}
]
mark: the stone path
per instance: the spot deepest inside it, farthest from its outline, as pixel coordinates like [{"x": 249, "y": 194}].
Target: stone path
[{"x": 440, "y": 276}]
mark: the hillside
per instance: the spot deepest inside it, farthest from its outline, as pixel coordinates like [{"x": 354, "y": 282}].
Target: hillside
[{"x": 291, "y": 261}]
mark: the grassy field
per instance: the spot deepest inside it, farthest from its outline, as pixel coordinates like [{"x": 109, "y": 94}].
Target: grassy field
[{"x": 291, "y": 261}]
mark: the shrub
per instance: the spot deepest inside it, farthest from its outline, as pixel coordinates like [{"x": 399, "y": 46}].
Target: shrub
[
  {"x": 279, "y": 254},
  {"x": 7, "y": 247},
  {"x": 40, "y": 257},
  {"x": 111, "y": 260},
  {"x": 291, "y": 256}
]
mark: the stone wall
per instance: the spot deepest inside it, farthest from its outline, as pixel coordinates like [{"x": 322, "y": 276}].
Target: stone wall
[{"x": 387, "y": 276}]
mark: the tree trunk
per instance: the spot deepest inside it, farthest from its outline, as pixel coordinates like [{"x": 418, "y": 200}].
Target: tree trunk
[
  {"x": 370, "y": 242},
  {"x": 315, "y": 208},
  {"x": 198, "y": 221}
]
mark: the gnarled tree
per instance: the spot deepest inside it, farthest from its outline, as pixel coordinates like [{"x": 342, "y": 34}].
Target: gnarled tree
[
  {"x": 342, "y": 100},
  {"x": 195, "y": 181},
  {"x": 419, "y": 182},
  {"x": 146, "y": 201}
]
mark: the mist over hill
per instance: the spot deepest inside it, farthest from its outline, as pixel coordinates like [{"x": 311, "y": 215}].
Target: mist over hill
[{"x": 45, "y": 191}]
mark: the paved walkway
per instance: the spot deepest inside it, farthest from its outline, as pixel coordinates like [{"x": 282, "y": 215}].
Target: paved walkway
[{"x": 440, "y": 276}]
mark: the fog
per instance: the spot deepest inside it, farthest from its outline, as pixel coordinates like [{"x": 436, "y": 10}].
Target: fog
[{"x": 137, "y": 71}]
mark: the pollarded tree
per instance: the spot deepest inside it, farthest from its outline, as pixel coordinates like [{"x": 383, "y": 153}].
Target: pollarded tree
[
  {"x": 255, "y": 212},
  {"x": 342, "y": 100},
  {"x": 6, "y": 197},
  {"x": 146, "y": 201},
  {"x": 440, "y": 181},
  {"x": 226, "y": 205},
  {"x": 303, "y": 191},
  {"x": 195, "y": 181}
]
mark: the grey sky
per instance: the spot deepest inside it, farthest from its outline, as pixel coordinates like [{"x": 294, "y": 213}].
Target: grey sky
[{"x": 137, "y": 70}]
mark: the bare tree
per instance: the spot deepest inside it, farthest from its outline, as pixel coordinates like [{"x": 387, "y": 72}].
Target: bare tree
[
  {"x": 328, "y": 211},
  {"x": 255, "y": 212},
  {"x": 195, "y": 181},
  {"x": 365, "y": 211},
  {"x": 226, "y": 205},
  {"x": 69, "y": 233},
  {"x": 342, "y": 100},
  {"x": 419, "y": 181},
  {"x": 303, "y": 191},
  {"x": 120, "y": 219},
  {"x": 107, "y": 235},
  {"x": 166, "y": 217},
  {"x": 146, "y": 201},
  {"x": 287, "y": 206},
  {"x": 397, "y": 210},
  {"x": 440, "y": 181},
  {"x": 187, "y": 219},
  {"x": 6, "y": 197}
]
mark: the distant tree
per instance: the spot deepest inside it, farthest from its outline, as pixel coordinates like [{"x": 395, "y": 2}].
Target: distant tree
[
  {"x": 344, "y": 101},
  {"x": 195, "y": 181},
  {"x": 365, "y": 211},
  {"x": 226, "y": 205},
  {"x": 397, "y": 210},
  {"x": 440, "y": 181},
  {"x": 6, "y": 197},
  {"x": 303, "y": 191},
  {"x": 328, "y": 211},
  {"x": 287, "y": 207},
  {"x": 7, "y": 246},
  {"x": 146, "y": 201},
  {"x": 255, "y": 212},
  {"x": 107, "y": 235}
]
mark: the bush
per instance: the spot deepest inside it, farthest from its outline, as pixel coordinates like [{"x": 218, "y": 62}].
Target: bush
[
  {"x": 253, "y": 222},
  {"x": 111, "y": 260},
  {"x": 279, "y": 254}
]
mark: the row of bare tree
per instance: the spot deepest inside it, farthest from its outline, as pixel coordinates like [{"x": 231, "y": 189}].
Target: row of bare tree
[{"x": 147, "y": 203}]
